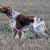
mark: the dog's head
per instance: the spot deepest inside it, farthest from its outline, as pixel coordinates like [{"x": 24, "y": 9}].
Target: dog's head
[{"x": 5, "y": 9}]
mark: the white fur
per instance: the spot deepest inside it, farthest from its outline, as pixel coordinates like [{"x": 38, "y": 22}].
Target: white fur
[
  {"x": 12, "y": 19},
  {"x": 17, "y": 36},
  {"x": 22, "y": 35},
  {"x": 14, "y": 14},
  {"x": 38, "y": 25}
]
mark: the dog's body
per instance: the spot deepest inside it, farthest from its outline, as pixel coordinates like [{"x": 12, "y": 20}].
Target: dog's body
[{"x": 20, "y": 23}]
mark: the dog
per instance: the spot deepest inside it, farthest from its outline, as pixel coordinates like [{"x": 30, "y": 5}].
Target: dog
[{"x": 20, "y": 23}]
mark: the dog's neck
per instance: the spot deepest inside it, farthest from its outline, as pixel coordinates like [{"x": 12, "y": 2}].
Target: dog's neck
[{"x": 14, "y": 14}]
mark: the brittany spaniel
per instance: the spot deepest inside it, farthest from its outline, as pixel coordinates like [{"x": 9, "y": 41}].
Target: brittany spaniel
[{"x": 20, "y": 23}]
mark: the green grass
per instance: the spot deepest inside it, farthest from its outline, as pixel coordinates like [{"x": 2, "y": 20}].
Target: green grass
[
  {"x": 5, "y": 29},
  {"x": 33, "y": 5},
  {"x": 31, "y": 35}
]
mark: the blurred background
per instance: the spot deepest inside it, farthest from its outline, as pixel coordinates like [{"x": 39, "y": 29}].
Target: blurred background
[{"x": 39, "y": 8}]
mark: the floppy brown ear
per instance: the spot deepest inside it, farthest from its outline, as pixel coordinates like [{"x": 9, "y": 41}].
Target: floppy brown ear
[{"x": 9, "y": 11}]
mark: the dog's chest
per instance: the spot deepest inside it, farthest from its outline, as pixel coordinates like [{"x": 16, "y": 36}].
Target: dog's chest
[
  {"x": 13, "y": 23},
  {"x": 13, "y": 19}
]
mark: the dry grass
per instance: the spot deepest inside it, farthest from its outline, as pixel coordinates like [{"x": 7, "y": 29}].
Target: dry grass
[
  {"x": 39, "y": 8},
  {"x": 24, "y": 44}
]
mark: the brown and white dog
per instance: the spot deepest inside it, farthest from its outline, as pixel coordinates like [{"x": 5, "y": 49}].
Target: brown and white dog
[{"x": 20, "y": 23}]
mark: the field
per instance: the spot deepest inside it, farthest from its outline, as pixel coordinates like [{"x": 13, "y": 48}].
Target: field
[{"x": 40, "y": 8}]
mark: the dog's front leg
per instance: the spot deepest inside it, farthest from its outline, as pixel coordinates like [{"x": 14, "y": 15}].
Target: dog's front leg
[
  {"x": 14, "y": 32},
  {"x": 19, "y": 34}
]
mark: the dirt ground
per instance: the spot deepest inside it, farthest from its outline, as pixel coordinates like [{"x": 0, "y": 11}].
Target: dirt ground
[{"x": 40, "y": 8}]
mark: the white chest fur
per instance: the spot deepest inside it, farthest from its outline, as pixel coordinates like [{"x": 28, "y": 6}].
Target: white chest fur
[
  {"x": 12, "y": 19},
  {"x": 14, "y": 14}
]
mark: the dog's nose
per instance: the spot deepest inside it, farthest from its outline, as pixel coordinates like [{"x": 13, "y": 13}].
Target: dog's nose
[{"x": 40, "y": 19}]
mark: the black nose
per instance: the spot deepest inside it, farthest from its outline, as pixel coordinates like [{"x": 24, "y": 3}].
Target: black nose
[{"x": 40, "y": 19}]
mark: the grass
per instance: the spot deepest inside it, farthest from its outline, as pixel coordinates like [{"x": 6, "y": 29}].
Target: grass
[
  {"x": 5, "y": 29},
  {"x": 33, "y": 5}
]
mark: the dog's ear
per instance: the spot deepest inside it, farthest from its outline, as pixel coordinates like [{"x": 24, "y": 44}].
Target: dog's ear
[{"x": 9, "y": 11}]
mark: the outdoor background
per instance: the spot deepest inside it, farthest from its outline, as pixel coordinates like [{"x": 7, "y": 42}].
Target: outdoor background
[{"x": 40, "y": 8}]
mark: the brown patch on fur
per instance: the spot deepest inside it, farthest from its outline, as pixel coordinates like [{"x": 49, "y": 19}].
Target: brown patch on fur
[{"x": 23, "y": 20}]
